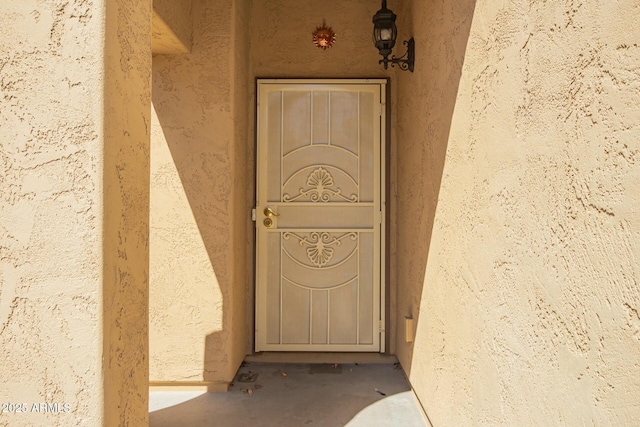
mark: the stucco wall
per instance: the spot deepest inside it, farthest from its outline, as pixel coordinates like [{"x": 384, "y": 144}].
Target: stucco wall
[
  {"x": 199, "y": 211},
  {"x": 281, "y": 40},
  {"x": 65, "y": 300},
  {"x": 171, "y": 26},
  {"x": 424, "y": 119},
  {"x": 50, "y": 247},
  {"x": 125, "y": 216},
  {"x": 528, "y": 302},
  {"x": 177, "y": 16},
  {"x": 242, "y": 256}
]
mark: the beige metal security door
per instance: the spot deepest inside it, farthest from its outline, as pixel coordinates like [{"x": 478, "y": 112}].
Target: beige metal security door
[{"x": 319, "y": 215}]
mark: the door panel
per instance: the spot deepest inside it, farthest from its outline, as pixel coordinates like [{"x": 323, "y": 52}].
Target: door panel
[{"x": 319, "y": 248}]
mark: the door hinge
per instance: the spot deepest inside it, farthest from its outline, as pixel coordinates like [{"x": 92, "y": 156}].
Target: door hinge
[
  {"x": 253, "y": 214},
  {"x": 380, "y": 326}
]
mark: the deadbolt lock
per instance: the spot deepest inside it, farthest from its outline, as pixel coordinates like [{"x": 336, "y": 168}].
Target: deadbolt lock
[{"x": 268, "y": 222}]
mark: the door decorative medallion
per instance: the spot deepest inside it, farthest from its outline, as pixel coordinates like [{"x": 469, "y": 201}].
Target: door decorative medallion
[
  {"x": 320, "y": 183},
  {"x": 319, "y": 250},
  {"x": 319, "y": 225}
]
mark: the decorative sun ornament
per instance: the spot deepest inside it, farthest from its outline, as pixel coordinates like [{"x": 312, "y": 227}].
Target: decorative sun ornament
[{"x": 324, "y": 37}]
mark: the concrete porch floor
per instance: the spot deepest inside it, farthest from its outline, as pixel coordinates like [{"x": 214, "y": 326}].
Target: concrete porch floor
[{"x": 296, "y": 394}]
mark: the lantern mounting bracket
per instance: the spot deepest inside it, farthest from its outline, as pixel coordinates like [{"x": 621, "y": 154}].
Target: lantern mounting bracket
[{"x": 406, "y": 61}]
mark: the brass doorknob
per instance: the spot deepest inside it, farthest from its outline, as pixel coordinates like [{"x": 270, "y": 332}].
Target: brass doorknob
[{"x": 269, "y": 212}]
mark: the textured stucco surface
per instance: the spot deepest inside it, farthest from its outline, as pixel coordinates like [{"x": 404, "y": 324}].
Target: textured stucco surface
[
  {"x": 176, "y": 15},
  {"x": 50, "y": 213},
  {"x": 528, "y": 301},
  {"x": 281, "y": 39},
  {"x": 126, "y": 151},
  {"x": 428, "y": 97},
  {"x": 70, "y": 330},
  {"x": 241, "y": 322},
  {"x": 199, "y": 211},
  {"x": 164, "y": 40},
  {"x": 171, "y": 26}
]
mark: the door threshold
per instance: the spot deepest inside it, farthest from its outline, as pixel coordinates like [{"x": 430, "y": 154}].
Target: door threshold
[{"x": 312, "y": 357}]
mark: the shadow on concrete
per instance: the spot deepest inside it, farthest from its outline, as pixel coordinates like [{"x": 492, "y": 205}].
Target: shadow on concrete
[{"x": 298, "y": 395}]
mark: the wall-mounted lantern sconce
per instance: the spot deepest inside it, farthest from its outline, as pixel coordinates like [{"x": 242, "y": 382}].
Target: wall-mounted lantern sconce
[{"x": 384, "y": 37}]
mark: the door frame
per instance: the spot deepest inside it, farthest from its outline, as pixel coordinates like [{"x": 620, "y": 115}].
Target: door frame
[{"x": 385, "y": 163}]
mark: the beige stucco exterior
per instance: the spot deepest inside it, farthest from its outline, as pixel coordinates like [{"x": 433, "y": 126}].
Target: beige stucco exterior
[
  {"x": 200, "y": 220},
  {"x": 171, "y": 26},
  {"x": 514, "y": 229},
  {"x": 518, "y": 248},
  {"x": 74, "y": 144}
]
